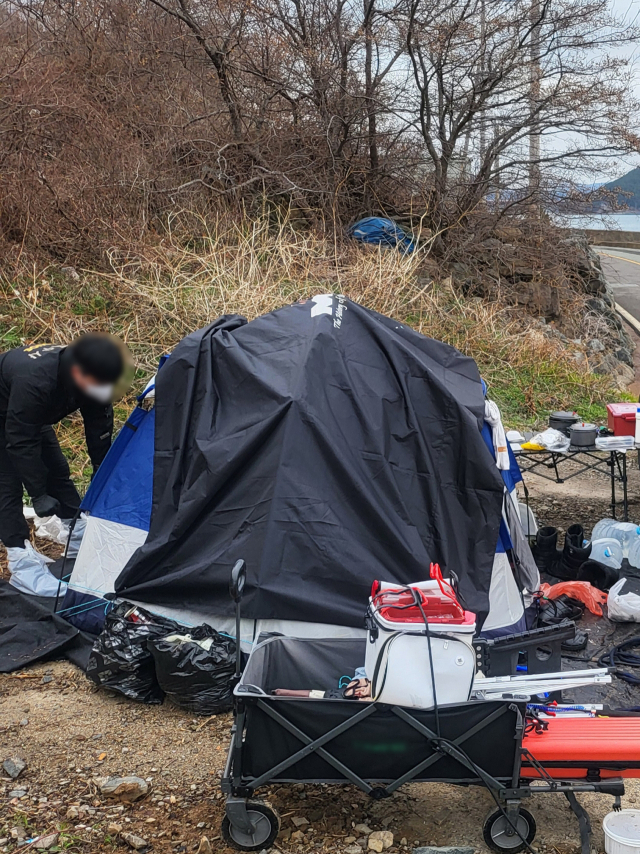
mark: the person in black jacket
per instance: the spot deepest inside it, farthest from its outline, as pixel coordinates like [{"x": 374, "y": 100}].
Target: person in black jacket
[{"x": 39, "y": 386}]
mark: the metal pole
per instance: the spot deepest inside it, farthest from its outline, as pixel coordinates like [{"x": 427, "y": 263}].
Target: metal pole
[{"x": 238, "y": 642}]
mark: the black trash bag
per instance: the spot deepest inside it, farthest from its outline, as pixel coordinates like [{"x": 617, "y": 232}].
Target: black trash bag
[
  {"x": 120, "y": 659},
  {"x": 196, "y": 673}
]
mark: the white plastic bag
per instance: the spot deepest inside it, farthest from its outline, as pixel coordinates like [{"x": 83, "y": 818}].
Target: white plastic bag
[
  {"x": 552, "y": 440},
  {"x": 623, "y": 608},
  {"x": 51, "y": 528},
  {"x": 55, "y": 529},
  {"x": 29, "y": 573}
]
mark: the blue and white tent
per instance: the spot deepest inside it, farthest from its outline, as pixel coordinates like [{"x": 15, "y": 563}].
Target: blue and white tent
[{"x": 118, "y": 508}]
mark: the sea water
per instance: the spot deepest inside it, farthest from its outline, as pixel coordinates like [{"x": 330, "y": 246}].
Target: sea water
[{"x": 611, "y": 222}]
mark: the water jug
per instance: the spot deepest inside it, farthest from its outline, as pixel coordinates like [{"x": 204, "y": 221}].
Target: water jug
[{"x": 608, "y": 551}]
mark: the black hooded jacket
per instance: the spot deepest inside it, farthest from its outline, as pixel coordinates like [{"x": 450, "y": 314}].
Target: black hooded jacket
[{"x": 36, "y": 390}]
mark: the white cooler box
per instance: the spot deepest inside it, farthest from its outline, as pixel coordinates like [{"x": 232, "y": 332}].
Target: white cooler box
[{"x": 397, "y": 658}]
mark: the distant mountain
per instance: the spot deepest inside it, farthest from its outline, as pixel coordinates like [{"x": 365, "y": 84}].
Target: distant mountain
[{"x": 629, "y": 183}]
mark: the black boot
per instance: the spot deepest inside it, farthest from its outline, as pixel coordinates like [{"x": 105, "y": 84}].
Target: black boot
[
  {"x": 545, "y": 549},
  {"x": 599, "y": 574},
  {"x": 573, "y": 553},
  {"x": 575, "y": 536}
]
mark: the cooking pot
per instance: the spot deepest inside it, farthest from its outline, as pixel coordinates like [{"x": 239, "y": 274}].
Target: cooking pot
[
  {"x": 563, "y": 420},
  {"x": 583, "y": 435}
]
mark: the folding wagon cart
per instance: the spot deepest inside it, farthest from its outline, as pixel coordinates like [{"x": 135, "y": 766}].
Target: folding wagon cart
[{"x": 375, "y": 746}]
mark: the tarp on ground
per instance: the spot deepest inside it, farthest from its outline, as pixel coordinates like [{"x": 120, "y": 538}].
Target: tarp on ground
[
  {"x": 328, "y": 446},
  {"x": 30, "y": 632}
]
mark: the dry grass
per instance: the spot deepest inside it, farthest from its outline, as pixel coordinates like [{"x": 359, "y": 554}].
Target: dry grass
[{"x": 155, "y": 295}]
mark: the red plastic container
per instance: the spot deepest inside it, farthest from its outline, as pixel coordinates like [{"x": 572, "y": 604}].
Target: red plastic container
[
  {"x": 400, "y": 607},
  {"x": 437, "y": 600},
  {"x": 621, "y": 418},
  {"x": 607, "y": 744}
]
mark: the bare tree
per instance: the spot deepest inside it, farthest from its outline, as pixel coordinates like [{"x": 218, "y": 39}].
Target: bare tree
[
  {"x": 544, "y": 72},
  {"x": 115, "y": 114}
]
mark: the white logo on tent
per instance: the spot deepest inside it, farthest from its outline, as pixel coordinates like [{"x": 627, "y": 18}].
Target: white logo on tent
[{"x": 323, "y": 305}]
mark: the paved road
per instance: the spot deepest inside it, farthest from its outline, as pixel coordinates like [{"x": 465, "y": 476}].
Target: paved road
[{"x": 622, "y": 269}]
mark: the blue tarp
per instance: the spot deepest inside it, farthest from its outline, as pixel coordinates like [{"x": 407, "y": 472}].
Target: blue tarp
[{"x": 382, "y": 232}]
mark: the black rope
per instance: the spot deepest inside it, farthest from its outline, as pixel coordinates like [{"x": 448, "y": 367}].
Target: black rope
[
  {"x": 526, "y": 500},
  {"x": 451, "y": 744},
  {"x": 502, "y": 810},
  {"x": 620, "y": 656},
  {"x": 417, "y": 601}
]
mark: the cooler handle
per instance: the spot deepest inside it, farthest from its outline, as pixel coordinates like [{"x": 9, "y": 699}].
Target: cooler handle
[{"x": 445, "y": 588}]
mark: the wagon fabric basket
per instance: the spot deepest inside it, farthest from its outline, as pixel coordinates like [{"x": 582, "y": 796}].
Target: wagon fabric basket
[
  {"x": 375, "y": 746},
  {"x": 360, "y": 741}
]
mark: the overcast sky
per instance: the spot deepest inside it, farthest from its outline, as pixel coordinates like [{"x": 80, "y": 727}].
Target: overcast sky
[{"x": 630, "y": 11}]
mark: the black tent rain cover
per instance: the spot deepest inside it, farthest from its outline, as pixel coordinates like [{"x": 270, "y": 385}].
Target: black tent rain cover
[{"x": 328, "y": 446}]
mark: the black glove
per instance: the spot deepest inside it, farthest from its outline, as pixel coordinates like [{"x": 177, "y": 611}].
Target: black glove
[{"x": 46, "y": 505}]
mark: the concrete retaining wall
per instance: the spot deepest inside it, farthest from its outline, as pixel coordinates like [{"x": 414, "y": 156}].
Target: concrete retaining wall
[{"x": 622, "y": 239}]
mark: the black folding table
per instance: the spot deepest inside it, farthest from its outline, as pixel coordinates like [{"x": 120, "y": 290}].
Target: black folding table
[{"x": 610, "y": 463}]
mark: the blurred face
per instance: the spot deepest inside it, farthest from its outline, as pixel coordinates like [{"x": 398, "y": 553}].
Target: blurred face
[{"x": 102, "y": 392}]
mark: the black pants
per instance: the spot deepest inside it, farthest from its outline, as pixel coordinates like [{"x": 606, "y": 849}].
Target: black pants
[{"x": 13, "y": 527}]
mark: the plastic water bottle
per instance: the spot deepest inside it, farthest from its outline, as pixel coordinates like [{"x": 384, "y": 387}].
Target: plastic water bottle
[
  {"x": 608, "y": 551},
  {"x": 601, "y": 529},
  {"x": 634, "y": 553},
  {"x": 638, "y": 424},
  {"x": 626, "y": 533}
]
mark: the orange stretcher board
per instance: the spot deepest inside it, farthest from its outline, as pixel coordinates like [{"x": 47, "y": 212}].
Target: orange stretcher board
[{"x": 573, "y": 748}]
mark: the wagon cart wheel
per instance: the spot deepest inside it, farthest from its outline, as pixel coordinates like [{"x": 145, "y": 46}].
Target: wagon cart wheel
[
  {"x": 499, "y": 834},
  {"x": 265, "y": 826}
]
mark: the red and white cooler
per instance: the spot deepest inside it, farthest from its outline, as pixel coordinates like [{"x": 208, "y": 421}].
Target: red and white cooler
[{"x": 397, "y": 658}]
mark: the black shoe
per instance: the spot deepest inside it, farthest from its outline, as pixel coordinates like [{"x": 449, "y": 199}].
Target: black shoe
[
  {"x": 599, "y": 574},
  {"x": 554, "y": 611},
  {"x": 576, "y": 644},
  {"x": 575, "y": 536}
]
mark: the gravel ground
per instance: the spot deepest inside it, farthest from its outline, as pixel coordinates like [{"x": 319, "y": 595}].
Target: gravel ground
[{"x": 69, "y": 734}]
